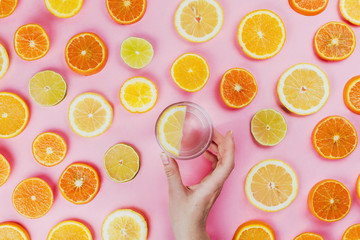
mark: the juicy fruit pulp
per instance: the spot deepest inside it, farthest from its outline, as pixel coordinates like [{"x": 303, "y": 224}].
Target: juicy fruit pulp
[
  {"x": 73, "y": 230},
  {"x": 4, "y": 61},
  {"x": 64, "y": 8},
  {"x": 4, "y": 170},
  {"x": 13, "y": 231},
  {"x": 126, "y": 11},
  {"x": 7, "y": 7},
  {"x": 350, "y": 9},
  {"x": 308, "y": 7},
  {"x": 136, "y": 52},
  {"x": 254, "y": 230},
  {"x": 352, "y": 94}
]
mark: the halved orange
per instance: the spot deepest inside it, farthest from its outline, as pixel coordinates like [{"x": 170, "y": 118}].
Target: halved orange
[
  {"x": 308, "y": 7},
  {"x": 352, "y": 233},
  {"x": 13, "y": 231},
  {"x": 32, "y": 198},
  {"x": 126, "y": 11},
  {"x": 309, "y": 236},
  {"x": 31, "y": 42},
  {"x": 334, "y": 137},
  {"x": 334, "y": 41},
  {"x": 79, "y": 183},
  {"x": 352, "y": 94},
  {"x": 238, "y": 88},
  {"x": 254, "y": 230},
  {"x": 69, "y": 229},
  {"x": 329, "y": 200},
  {"x": 4, "y": 170},
  {"x": 49, "y": 149},
  {"x": 86, "y": 53},
  {"x": 7, "y": 7}
]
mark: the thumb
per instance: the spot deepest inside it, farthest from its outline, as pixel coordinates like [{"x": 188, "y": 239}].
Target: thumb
[{"x": 172, "y": 173}]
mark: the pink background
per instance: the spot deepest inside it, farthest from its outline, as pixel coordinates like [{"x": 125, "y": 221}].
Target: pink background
[{"x": 148, "y": 191}]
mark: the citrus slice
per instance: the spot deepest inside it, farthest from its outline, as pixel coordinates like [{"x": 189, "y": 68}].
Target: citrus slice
[
  {"x": 32, "y": 198},
  {"x": 138, "y": 95},
  {"x": 261, "y": 34},
  {"x": 13, "y": 231},
  {"x": 79, "y": 183},
  {"x": 4, "y": 60},
  {"x": 64, "y": 8},
  {"x": 334, "y": 137},
  {"x": 329, "y": 200},
  {"x": 303, "y": 89},
  {"x": 254, "y": 230},
  {"x": 352, "y": 233},
  {"x": 136, "y": 52},
  {"x": 190, "y": 72},
  {"x": 271, "y": 185},
  {"x": 121, "y": 162},
  {"x": 14, "y": 115},
  {"x": 268, "y": 127},
  {"x": 352, "y": 94},
  {"x": 4, "y": 170},
  {"x": 73, "y": 230},
  {"x": 169, "y": 128},
  {"x": 350, "y": 9},
  {"x": 124, "y": 224},
  {"x": 86, "y": 53},
  {"x": 238, "y": 88},
  {"x": 334, "y": 41},
  {"x": 308, "y": 7},
  {"x": 199, "y": 20},
  {"x": 31, "y": 42},
  {"x": 90, "y": 115},
  {"x": 47, "y": 88},
  {"x": 7, "y": 7},
  {"x": 358, "y": 187},
  {"x": 309, "y": 236},
  {"x": 49, "y": 149},
  {"x": 126, "y": 11}
]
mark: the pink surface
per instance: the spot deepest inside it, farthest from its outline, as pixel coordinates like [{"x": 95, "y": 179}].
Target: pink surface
[{"x": 148, "y": 191}]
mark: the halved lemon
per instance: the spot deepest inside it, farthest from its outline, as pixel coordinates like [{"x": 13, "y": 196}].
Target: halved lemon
[
  {"x": 73, "y": 230},
  {"x": 64, "y": 8},
  {"x": 350, "y": 9},
  {"x": 136, "y": 52},
  {"x": 13, "y": 231},
  {"x": 4, "y": 61}
]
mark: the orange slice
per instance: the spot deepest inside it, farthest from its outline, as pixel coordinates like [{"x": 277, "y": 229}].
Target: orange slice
[
  {"x": 49, "y": 149},
  {"x": 86, "y": 53},
  {"x": 352, "y": 94},
  {"x": 238, "y": 88},
  {"x": 32, "y": 198},
  {"x": 126, "y": 11},
  {"x": 334, "y": 137},
  {"x": 7, "y": 7},
  {"x": 73, "y": 230},
  {"x": 334, "y": 41},
  {"x": 329, "y": 200},
  {"x": 14, "y": 115},
  {"x": 31, "y": 42},
  {"x": 308, "y": 7},
  {"x": 309, "y": 236},
  {"x": 358, "y": 186},
  {"x": 4, "y": 170},
  {"x": 352, "y": 233},
  {"x": 79, "y": 183},
  {"x": 13, "y": 231},
  {"x": 350, "y": 9},
  {"x": 254, "y": 230}
]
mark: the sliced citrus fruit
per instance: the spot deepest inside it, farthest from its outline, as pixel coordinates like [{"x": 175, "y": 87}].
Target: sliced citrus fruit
[
  {"x": 190, "y": 72},
  {"x": 261, "y": 34},
  {"x": 309, "y": 236},
  {"x": 329, "y": 200},
  {"x": 124, "y": 224},
  {"x": 268, "y": 127},
  {"x": 32, "y": 198},
  {"x": 121, "y": 162},
  {"x": 14, "y": 115},
  {"x": 308, "y": 7},
  {"x": 199, "y": 20},
  {"x": 334, "y": 41},
  {"x": 334, "y": 137},
  {"x": 352, "y": 233},
  {"x": 358, "y": 186},
  {"x": 47, "y": 88},
  {"x": 254, "y": 230},
  {"x": 13, "y": 231},
  {"x": 271, "y": 185},
  {"x": 31, "y": 42},
  {"x": 169, "y": 128},
  {"x": 49, "y": 149},
  {"x": 90, "y": 115},
  {"x": 79, "y": 183},
  {"x": 126, "y": 11},
  {"x": 352, "y": 94},
  {"x": 350, "y": 9},
  {"x": 138, "y": 95},
  {"x": 4, "y": 61},
  {"x": 136, "y": 52},
  {"x": 73, "y": 230},
  {"x": 4, "y": 170},
  {"x": 238, "y": 88},
  {"x": 303, "y": 89},
  {"x": 86, "y": 53},
  {"x": 7, "y": 7},
  {"x": 64, "y": 8}
]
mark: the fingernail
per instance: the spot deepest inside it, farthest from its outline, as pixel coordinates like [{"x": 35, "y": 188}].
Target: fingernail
[{"x": 164, "y": 158}]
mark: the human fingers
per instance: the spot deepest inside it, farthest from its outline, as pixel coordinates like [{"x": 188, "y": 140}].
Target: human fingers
[
  {"x": 173, "y": 176},
  {"x": 212, "y": 158},
  {"x": 213, "y": 148},
  {"x": 218, "y": 137}
]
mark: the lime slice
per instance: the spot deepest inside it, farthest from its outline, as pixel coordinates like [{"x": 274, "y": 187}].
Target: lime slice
[{"x": 136, "y": 52}]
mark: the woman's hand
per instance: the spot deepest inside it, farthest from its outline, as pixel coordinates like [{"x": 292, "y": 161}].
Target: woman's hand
[{"x": 190, "y": 205}]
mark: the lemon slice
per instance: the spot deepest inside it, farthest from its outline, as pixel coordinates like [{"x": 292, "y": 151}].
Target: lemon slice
[
  {"x": 4, "y": 61},
  {"x": 350, "y": 9},
  {"x": 136, "y": 52},
  {"x": 47, "y": 88},
  {"x": 64, "y": 8},
  {"x": 170, "y": 128},
  {"x": 11, "y": 230},
  {"x": 73, "y": 230},
  {"x": 124, "y": 224}
]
